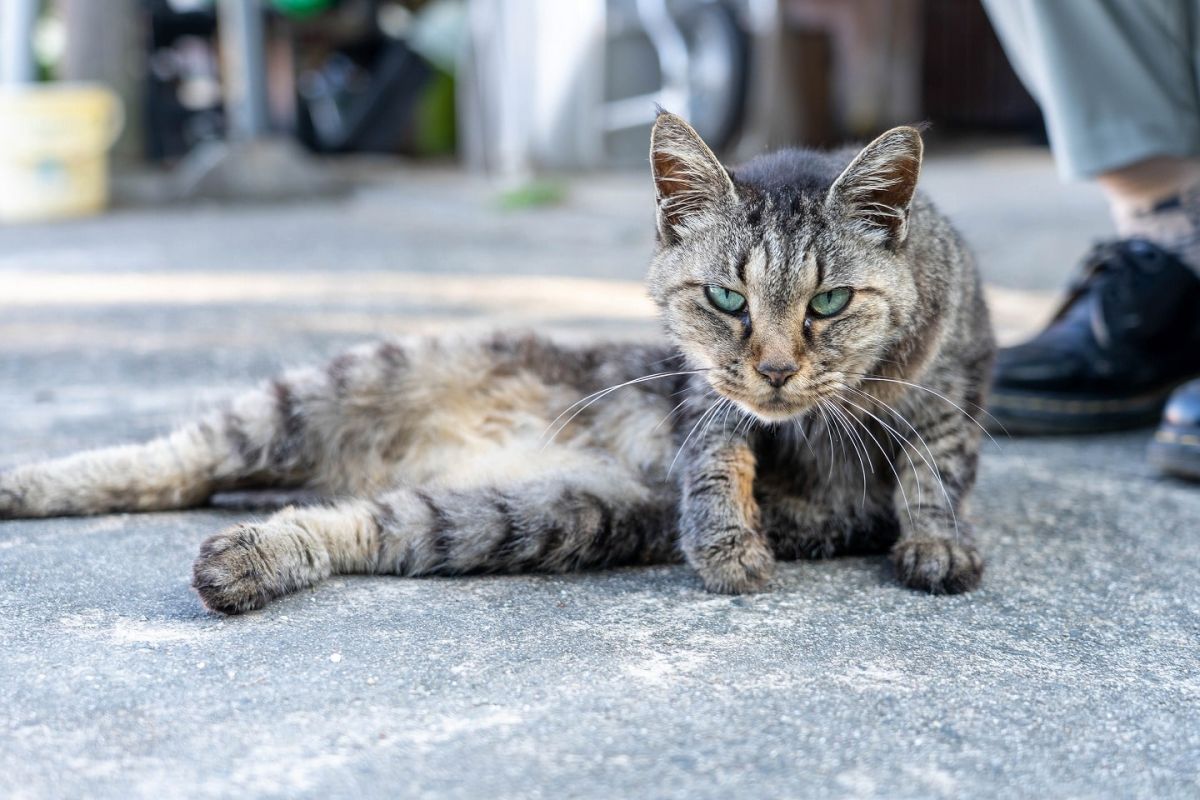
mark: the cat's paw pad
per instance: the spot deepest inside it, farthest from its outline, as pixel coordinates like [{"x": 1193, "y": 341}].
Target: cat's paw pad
[
  {"x": 736, "y": 567},
  {"x": 938, "y": 566},
  {"x": 231, "y": 573}
]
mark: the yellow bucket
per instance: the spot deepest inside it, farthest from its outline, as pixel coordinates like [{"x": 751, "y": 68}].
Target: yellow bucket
[{"x": 54, "y": 142}]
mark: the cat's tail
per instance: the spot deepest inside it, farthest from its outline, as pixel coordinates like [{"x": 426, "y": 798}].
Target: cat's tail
[
  {"x": 257, "y": 440},
  {"x": 550, "y": 525}
]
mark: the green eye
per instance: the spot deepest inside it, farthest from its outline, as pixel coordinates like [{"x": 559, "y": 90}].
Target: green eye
[
  {"x": 826, "y": 304},
  {"x": 727, "y": 300}
]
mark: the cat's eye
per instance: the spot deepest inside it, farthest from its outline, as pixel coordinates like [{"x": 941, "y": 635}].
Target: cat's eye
[
  {"x": 727, "y": 300},
  {"x": 827, "y": 304}
]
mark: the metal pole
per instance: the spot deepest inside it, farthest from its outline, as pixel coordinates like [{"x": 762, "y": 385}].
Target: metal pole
[
  {"x": 106, "y": 44},
  {"x": 243, "y": 67},
  {"x": 17, "y": 18}
]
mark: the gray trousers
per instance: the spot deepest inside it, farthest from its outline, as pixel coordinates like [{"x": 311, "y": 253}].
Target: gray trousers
[{"x": 1118, "y": 80}]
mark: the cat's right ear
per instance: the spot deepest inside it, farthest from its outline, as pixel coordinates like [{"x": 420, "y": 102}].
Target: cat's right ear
[{"x": 689, "y": 181}]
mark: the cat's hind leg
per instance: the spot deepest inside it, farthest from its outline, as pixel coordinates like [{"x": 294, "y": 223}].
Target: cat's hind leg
[
  {"x": 552, "y": 524},
  {"x": 261, "y": 439},
  {"x": 333, "y": 429}
]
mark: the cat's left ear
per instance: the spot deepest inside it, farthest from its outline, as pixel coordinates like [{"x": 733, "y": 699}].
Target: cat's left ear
[
  {"x": 689, "y": 181},
  {"x": 875, "y": 192}
]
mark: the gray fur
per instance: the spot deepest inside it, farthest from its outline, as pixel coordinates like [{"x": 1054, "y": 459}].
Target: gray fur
[{"x": 452, "y": 457}]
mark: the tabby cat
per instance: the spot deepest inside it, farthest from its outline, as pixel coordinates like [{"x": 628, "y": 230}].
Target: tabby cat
[{"x": 828, "y": 340}]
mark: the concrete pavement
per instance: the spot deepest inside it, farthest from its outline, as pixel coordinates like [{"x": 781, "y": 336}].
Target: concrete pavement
[{"x": 1071, "y": 673}]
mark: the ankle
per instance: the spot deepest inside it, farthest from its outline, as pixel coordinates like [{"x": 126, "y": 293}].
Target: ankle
[
  {"x": 1140, "y": 187},
  {"x": 1158, "y": 200}
]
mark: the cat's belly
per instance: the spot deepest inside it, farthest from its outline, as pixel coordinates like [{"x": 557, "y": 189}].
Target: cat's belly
[{"x": 517, "y": 429}]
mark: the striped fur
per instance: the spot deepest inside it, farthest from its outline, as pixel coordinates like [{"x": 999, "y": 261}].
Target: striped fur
[{"x": 444, "y": 457}]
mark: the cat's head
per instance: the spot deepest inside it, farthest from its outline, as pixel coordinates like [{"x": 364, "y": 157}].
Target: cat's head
[{"x": 787, "y": 278}]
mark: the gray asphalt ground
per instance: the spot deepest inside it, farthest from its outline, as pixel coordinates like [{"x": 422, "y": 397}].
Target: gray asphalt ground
[{"x": 1071, "y": 673}]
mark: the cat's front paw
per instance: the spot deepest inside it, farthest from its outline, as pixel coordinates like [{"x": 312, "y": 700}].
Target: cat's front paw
[
  {"x": 937, "y": 566},
  {"x": 232, "y": 572},
  {"x": 736, "y": 565}
]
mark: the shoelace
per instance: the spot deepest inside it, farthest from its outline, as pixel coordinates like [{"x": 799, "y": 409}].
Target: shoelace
[{"x": 1115, "y": 272}]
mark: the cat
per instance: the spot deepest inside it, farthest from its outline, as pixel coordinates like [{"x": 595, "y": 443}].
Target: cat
[{"x": 827, "y": 337}]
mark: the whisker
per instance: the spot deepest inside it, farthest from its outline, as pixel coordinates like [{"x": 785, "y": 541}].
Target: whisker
[
  {"x": 931, "y": 461},
  {"x": 725, "y": 419},
  {"x": 840, "y": 417},
  {"x": 602, "y": 393},
  {"x": 899, "y": 439},
  {"x": 744, "y": 420},
  {"x": 679, "y": 452},
  {"x": 669, "y": 414},
  {"x": 748, "y": 419},
  {"x": 829, "y": 432},
  {"x": 798, "y": 425},
  {"x": 721, "y": 403},
  {"x": 673, "y": 357},
  {"x": 884, "y": 453},
  {"x": 845, "y": 416},
  {"x": 937, "y": 474},
  {"x": 940, "y": 396}
]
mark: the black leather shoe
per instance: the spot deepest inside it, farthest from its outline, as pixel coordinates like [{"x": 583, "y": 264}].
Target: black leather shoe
[
  {"x": 1176, "y": 446},
  {"x": 1127, "y": 334}
]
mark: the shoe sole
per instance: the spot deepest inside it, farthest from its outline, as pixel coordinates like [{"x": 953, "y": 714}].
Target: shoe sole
[
  {"x": 1032, "y": 414},
  {"x": 1176, "y": 451}
]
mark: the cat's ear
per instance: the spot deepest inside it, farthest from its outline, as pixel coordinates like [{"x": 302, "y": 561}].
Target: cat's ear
[
  {"x": 689, "y": 181},
  {"x": 875, "y": 192}
]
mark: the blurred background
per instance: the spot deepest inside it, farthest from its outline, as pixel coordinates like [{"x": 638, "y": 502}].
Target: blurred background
[
  {"x": 194, "y": 193},
  {"x": 509, "y": 86}
]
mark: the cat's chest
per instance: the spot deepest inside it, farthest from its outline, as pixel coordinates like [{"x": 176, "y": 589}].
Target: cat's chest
[{"x": 817, "y": 461}]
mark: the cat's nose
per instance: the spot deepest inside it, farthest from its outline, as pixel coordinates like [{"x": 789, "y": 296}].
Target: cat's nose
[{"x": 776, "y": 374}]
